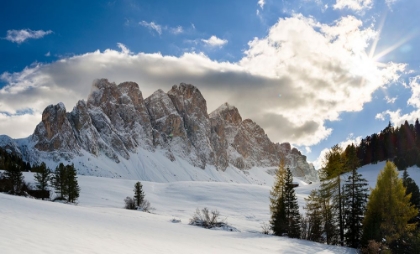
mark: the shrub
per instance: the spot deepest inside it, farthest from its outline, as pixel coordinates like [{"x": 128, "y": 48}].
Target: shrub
[
  {"x": 265, "y": 228},
  {"x": 144, "y": 206},
  {"x": 129, "y": 203},
  {"x": 206, "y": 218}
]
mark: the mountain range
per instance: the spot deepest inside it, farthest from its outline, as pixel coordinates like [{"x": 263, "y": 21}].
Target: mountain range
[{"x": 118, "y": 133}]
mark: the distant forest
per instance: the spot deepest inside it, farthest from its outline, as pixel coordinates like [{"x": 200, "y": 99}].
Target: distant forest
[
  {"x": 398, "y": 144},
  {"x": 7, "y": 159}
]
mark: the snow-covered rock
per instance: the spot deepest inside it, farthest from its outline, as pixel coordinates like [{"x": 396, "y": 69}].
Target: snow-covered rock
[{"x": 117, "y": 125}]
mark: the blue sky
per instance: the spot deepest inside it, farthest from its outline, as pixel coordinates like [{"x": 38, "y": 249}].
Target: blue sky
[{"x": 311, "y": 72}]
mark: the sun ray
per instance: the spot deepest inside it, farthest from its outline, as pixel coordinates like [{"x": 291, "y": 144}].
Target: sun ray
[
  {"x": 394, "y": 46},
  {"x": 375, "y": 42}
]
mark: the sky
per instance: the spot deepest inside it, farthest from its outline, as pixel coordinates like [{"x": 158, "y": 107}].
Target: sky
[{"x": 314, "y": 73}]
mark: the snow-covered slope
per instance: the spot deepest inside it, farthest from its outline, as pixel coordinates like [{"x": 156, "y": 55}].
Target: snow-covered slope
[
  {"x": 99, "y": 224},
  {"x": 370, "y": 172}
]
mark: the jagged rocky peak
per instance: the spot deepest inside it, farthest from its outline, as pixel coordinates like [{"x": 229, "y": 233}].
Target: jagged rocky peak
[
  {"x": 166, "y": 121},
  {"x": 55, "y": 132},
  {"x": 228, "y": 113},
  {"x": 159, "y": 105},
  {"x": 103, "y": 93},
  {"x": 188, "y": 99},
  {"x": 123, "y": 107},
  {"x": 84, "y": 131}
]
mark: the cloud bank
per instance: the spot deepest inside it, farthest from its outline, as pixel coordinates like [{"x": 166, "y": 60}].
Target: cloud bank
[
  {"x": 302, "y": 74},
  {"x": 19, "y": 36}
]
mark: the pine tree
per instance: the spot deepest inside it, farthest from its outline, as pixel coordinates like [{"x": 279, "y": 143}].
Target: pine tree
[
  {"x": 329, "y": 219},
  {"x": 59, "y": 181},
  {"x": 65, "y": 183},
  {"x": 138, "y": 194},
  {"x": 14, "y": 175},
  {"x": 411, "y": 187},
  {"x": 330, "y": 176},
  {"x": 72, "y": 186},
  {"x": 314, "y": 228},
  {"x": 291, "y": 207},
  {"x": 388, "y": 208},
  {"x": 278, "y": 222},
  {"x": 355, "y": 198},
  {"x": 42, "y": 177}
]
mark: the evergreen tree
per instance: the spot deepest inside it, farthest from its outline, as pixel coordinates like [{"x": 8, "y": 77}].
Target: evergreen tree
[
  {"x": 14, "y": 175},
  {"x": 388, "y": 208},
  {"x": 278, "y": 222},
  {"x": 330, "y": 176},
  {"x": 72, "y": 186},
  {"x": 314, "y": 219},
  {"x": 329, "y": 219},
  {"x": 138, "y": 194},
  {"x": 411, "y": 187},
  {"x": 59, "y": 181},
  {"x": 42, "y": 177},
  {"x": 355, "y": 198},
  {"x": 65, "y": 183},
  {"x": 291, "y": 207}
]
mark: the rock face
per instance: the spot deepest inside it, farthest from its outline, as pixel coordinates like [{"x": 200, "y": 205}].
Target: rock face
[{"x": 116, "y": 121}]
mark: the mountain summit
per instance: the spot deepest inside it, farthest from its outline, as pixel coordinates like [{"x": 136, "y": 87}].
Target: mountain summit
[{"x": 124, "y": 133}]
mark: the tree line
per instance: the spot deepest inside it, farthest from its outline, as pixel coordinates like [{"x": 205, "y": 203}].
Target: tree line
[
  {"x": 398, "y": 144},
  {"x": 63, "y": 179},
  {"x": 8, "y": 159},
  {"x": 342, "y": 212}
]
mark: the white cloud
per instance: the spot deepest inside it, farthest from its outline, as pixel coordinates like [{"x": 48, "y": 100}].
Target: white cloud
[
  {"x": 355, "y": 5},
  {"x": 395, "y": 116},
  {"x": 48, "y": 54},
  {"x": 213, "y": 41},
  {"x": 176, "y": 30},
  {"x": 124, "y": 49},
  {"x": 152, "y": 26},
  {"x": 381, "y": 116},
  {"x": 159, "y": 29},
  {"x": 415, "y": 92},
  {"x": 389, "y": 3},
  {"x": 20, "y": 36},
  {"x": 20, "y": 125},
  {"x": 390, "y": 100},
  {"x": 302, "y": 74},
  {"x": 329, "y": 75},
  {"x": 261, "y": 3}
]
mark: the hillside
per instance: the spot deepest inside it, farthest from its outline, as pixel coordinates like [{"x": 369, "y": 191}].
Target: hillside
[{"x": 99, "y": 224}]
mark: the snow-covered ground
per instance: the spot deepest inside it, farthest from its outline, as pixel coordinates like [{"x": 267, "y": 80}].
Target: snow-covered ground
[{"x": 99, "y": 224}]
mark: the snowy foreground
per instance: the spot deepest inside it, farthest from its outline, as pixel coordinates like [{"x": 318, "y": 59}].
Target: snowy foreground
[{"x": 99, "y": 224}]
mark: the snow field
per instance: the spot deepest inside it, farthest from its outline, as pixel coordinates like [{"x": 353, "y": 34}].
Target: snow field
[{"x": 99, "y": 224}]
